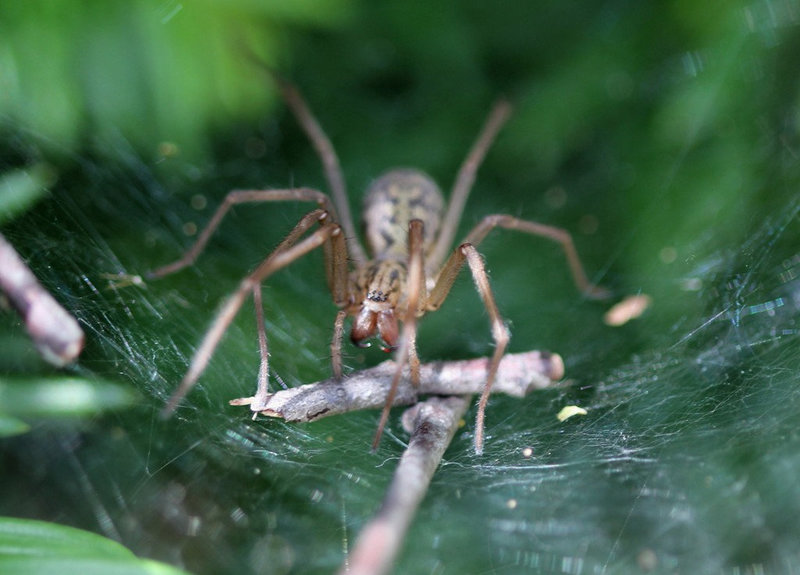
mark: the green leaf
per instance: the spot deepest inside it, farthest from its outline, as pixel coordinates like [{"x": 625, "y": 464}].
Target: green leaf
[
  {"x": 61, "y": 396},
  {"x": 54, "y": 86},
  {"x": 37, "y": 547},
  {"x": 20, "y": 189},
  {"x": 12, "y": 426}
]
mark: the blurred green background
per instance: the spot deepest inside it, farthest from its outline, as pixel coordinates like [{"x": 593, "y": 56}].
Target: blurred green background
[{"x": 663, "y": 135}]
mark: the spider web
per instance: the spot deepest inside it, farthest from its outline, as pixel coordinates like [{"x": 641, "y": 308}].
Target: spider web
[
  {"x": 684, "y": 462},
  {"x": 683, "y": 458}
]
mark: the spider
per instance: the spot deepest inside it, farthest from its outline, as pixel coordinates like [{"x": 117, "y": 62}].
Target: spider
[{"x": 405, "y": 272}]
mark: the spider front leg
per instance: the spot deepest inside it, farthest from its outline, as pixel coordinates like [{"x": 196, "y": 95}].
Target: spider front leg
[
  {"x": 284, "y": 254},
  {"x": 467, "y": 252},
  {"x": 336, "y": 343},
  {"x": 335, "y": 272},
  {"x": 415, "y": 302}
]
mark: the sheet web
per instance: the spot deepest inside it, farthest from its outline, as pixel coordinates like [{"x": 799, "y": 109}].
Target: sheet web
[
  {"x": 681, "y": 463},
  {"x": 684, "y": 461}
]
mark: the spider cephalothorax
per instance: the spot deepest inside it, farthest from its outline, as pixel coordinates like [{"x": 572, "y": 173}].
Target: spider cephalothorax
[
  {"x": 379, "y": 299},
  {"x": 392, "y": 202}
]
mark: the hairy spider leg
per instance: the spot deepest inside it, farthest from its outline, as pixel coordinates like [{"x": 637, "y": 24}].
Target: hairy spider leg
[
  {"x": 286, "y": 253},
  {"x": 338, "y": 189},
  {"x": 262, "y": 387},
  {"x": 335, "y": 252},
  {"x": 559, "y": 235},
  {"x": 243, "y": 197},
  {"x": 467, "y": 252},
  {"x": 336, "y": 344},
  {"x": 335, "y": 257},
  {"x": 330, "y": 161},
  {"x": 498, "y": 116}
]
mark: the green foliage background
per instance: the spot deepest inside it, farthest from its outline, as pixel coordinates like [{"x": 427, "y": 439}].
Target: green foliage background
[{"x": 664, "y": 135}]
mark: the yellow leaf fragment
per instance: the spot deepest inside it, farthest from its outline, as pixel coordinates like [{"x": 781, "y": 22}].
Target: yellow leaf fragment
[{"x": 569, "y": 411}]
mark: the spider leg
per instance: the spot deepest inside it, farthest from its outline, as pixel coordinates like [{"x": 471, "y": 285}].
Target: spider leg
[
  {"x": 327, "y": 155},
  {"x": 283, "y": 255},
  {"x": 336, "y": 343},
  {"x": 467, "y": 252},
  {"x": 464, "y": 180},
  {"x": 415, "y": 301},
  {"x": 559, "y": 235},
  {"x": 241, "y": 197},
  {"x": 335, "y": 272},
  {"x": 262, "y": 389}
]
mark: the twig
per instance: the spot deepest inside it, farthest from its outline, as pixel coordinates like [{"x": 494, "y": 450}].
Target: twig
[
  {"x": 432, "y": 425},
  {"x": 517, "y": 375},
  {"x": 55, "y": 333}
]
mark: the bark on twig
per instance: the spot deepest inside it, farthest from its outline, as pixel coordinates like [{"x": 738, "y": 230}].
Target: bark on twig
[
  {"x": 432, "y": 424},
  {"x": 55, "y": 333},
  {"x": 517, "y": 375}
]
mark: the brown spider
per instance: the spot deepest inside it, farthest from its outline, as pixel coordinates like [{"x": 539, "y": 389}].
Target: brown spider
[{"x": 408, "y": 272}]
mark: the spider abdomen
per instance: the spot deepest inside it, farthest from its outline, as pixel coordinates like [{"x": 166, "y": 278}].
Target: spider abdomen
[{"x": 392, "y": 201}]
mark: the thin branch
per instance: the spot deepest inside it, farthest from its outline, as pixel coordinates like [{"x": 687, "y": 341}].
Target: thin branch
[
  {"x": 432, "y": 425},
  {"x": 517, "y": 375},
  {"x": 56, "y": 334}
]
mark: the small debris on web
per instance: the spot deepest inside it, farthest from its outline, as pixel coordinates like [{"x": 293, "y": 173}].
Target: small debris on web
[
  {"x": 569, "y": 411},
  {"x": 626, "y": 310},
  {"x": 122, "y": 280}
]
